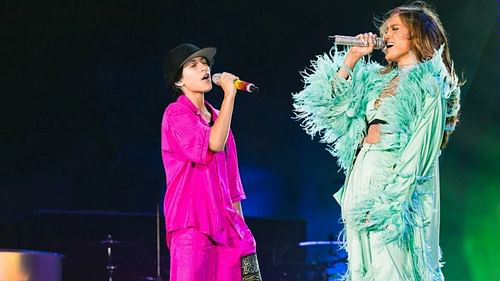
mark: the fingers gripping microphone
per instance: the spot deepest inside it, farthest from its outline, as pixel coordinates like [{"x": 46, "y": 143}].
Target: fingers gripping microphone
[
  {"x": 238, "y": 84},
  {"x": 355, "y": 41}
]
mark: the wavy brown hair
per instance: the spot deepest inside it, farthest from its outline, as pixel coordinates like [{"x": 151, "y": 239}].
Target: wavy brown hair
[{"x": 427, "y": 35}]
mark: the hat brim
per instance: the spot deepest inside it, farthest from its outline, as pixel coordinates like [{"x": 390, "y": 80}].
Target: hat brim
[{"x": 208, "y": 53}]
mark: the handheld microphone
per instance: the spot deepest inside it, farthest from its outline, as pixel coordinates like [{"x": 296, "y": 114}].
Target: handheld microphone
[
  {"x": 238, "y": 84},
  {"x": 355, "y": 41}
]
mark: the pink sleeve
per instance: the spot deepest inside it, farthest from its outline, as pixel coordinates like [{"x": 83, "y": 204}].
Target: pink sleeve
[{"x": 187, "y": 135}]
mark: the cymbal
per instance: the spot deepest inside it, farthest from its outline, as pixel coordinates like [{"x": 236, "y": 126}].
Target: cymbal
[
  {"x": 302, "y": 266},
  {"x": 110, "y": 242},
  {"x": 318, "y": 243},
  {"x": 139, "y": 278}
]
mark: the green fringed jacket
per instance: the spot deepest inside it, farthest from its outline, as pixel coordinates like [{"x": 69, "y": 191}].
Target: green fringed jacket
[{"x": 335, "y": 108}]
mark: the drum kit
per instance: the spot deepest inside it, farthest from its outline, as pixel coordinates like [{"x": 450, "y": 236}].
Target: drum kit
[
  {"x": 113, "y": 268},
  {"x": 327, "y": 261}
]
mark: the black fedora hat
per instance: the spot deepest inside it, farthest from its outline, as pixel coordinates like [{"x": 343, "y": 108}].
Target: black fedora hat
[{"x": 179, "y": 55}]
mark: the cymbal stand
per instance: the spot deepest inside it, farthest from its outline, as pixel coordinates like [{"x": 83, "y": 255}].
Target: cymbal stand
[
  {"x": 158, "y": 269},
  {"x": 110, "y": 267}
]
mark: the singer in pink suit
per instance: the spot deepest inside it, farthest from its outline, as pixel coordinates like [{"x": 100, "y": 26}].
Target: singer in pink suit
[{"x": 206, "y": 233}]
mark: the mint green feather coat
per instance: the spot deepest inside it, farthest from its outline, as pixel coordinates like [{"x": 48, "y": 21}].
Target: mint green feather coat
[{"x": 390, "y": 199}]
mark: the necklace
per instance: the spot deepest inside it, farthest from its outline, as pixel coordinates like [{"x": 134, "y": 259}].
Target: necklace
[
  {"x": 388, "y": 91},
  {"x": 404, "y": 68}
]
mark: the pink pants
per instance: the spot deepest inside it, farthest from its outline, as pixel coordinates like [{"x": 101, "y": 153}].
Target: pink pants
[{"x": 196, "y": 257}]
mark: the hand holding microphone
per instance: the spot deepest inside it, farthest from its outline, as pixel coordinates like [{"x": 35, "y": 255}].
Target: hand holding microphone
[
  {"x": 238, "y": 84},
  {"x": 362, "y": 40},
  {"x": 362, "y": 45}
]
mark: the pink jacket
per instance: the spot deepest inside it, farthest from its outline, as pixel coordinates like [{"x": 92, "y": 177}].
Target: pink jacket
[{"x": 201, "y": 184}]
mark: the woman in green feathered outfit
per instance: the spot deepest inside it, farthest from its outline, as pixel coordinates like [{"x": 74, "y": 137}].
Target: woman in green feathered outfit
[{"x": 387, "y": 126}]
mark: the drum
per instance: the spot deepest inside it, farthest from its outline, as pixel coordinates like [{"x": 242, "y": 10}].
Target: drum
[
  {"x": 24, "y": 265},
  {"x": 330, "y": 260}
]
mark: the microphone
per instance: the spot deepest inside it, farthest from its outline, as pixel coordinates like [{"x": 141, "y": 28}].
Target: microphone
[
  {"x": 238, "y": 84},
  {"x": 355, "y": 41}
]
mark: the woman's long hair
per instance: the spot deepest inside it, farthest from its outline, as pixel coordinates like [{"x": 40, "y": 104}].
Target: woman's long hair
[{"x": 427, "y": 35}]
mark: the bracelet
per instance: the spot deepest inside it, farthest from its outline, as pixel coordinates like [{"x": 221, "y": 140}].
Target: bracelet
[{"x": 346, "y": 68}]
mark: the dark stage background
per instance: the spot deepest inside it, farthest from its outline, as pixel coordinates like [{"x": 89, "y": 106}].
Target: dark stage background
[{"x": 83, "y": 96}]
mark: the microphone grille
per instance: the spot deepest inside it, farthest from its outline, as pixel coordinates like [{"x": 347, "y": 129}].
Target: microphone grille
[
  {"x": 216, "y": 78},
  {"x": 379, "y": 43}
]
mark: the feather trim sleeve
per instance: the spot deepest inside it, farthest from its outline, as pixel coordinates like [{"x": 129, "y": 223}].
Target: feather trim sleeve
[{"x": 332, "y": 107}]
